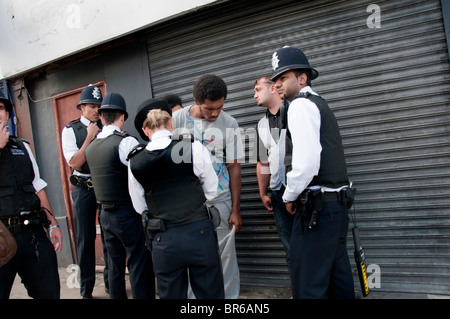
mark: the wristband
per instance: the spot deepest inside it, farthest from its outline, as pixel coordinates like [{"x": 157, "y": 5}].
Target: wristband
[{"x": 56, "y": 226}]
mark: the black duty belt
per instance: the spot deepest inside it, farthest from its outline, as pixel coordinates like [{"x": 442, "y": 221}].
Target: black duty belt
[
  {"x": 331, "y": 196},
  {"x": 112, "y": 207},
  {"x": 25, "y": 222},
  {"x": 79, "y": 181}
]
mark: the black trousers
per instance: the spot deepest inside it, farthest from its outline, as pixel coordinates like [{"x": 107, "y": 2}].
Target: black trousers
[
  {"x": 39, "y": 275},
  {"x": 125, "y": 244},
  {"x": 85, "y": 210},
  {"x": 320, "y": 266},
  {"x": 188, "y": 253}
]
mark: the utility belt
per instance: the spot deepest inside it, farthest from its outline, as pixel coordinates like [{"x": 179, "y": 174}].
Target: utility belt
[
  {"x": 154, "y": 225},
  {"x": 310, "y": 202},
  {"x": 26, "y": 222},
  {"x": 85, "y": 182},
  {"x": 112, "y": 207}
]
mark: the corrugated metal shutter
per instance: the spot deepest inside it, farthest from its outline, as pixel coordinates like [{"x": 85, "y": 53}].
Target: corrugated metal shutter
[{"x": 389, "y": 88}]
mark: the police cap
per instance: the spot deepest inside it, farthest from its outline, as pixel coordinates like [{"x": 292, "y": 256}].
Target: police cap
[
  {"x": 114, "y": 101},
  {"x": 90, "y": 95},
  {"x": 290, "y": 58}
]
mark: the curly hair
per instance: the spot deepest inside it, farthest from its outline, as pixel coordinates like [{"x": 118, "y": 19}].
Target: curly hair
[{"x": 211, "y": 87}]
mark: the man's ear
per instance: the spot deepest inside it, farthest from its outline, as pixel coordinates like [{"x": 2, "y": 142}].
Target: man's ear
[{"x": 302, "y": 79}]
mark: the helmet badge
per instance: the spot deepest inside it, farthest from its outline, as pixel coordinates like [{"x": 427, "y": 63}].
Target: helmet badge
[
  {"x": 275, "y": 61},
  {"x": 96, "y": 93}
]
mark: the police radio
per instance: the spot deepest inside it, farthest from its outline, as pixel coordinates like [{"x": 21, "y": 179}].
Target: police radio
[{"x": 360, "y": 260}]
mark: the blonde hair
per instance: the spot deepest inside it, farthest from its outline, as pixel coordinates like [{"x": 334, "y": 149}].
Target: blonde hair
[{"x": 157, "y": 118}]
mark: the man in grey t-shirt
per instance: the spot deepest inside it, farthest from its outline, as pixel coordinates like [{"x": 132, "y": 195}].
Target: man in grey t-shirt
[{"x": 220, "y": 133}]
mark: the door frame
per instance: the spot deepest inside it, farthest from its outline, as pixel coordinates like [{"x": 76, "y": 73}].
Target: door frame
[{"x": 61, "y": 118}]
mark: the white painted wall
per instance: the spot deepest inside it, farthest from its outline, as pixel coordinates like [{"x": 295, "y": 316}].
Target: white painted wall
[{"x": 36, "y": 32}]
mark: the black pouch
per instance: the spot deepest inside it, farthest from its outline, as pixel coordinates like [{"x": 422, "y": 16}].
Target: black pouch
[
  {"x": 73, "y": 179},
  {"x": 304, "y": 202},
  {"x": 316, "y": 207},
  {"x": 151, "y": 226},
  {"x": 348, "y": 196},
  {"x": 155, "y": 225}
]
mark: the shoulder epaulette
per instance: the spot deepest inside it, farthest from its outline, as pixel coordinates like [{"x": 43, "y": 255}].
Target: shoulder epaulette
[
  {"x": 122, "y": 134},
  {"x": 138, "y": 148},
  {"x": 68, "y": 125},
  {"x": 180, "y": 137},
  {"x": 302, "y": 95},
  {"x": 15, "y": 138}
]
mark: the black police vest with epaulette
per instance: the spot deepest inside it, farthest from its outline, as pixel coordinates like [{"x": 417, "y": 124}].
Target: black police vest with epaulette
[
  {"x": 108, "y": 174},
  {"x": 333, "y": 168},
  {"x": 80, "y": 131},
  {"x": 17, "y": 193},
  {"x": 172, "y": 191}
]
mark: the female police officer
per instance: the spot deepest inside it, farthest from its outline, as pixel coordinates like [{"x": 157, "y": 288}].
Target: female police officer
[{"x": 170, "y": 190}]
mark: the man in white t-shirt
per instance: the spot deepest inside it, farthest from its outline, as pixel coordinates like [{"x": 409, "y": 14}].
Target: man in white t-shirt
[{"x": 220, "y": 133}]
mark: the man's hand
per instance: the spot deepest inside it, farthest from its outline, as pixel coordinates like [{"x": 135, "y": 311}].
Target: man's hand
[
  {"x": 267, "y": 202},
  {"x": 234, "y": 171},
  {"x": 92, "y": 131},
  {"x": 56, "y": 237},
  {"x": 236, "y": 220},
  {"x": 291, "y": 207}
]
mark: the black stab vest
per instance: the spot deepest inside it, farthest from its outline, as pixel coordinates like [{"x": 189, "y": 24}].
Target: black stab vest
[
  {"x": 172, "y": 191},
  {"x": 80, "y": 131},
  {"x": 17, "y": 193},
  {"x": 333, "y": 168},
  {"x": 108, "y": 174}
]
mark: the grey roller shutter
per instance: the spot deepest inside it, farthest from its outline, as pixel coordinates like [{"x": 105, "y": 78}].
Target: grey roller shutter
[{"x": 389, "y": 88}]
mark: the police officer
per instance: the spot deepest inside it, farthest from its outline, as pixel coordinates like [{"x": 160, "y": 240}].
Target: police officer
[
  {"x": 170, "y": 180},
  {"x": 122, "y": 226},
  {"x": 76, "y": 136},
  {"x": 320, "y": 266},
  {"x": 26, "y": 212}
]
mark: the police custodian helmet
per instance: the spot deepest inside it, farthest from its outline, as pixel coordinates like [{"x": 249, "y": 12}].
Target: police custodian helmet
[
  {"x": 114, "y": 101},
  {"x": 290, "y": 58},
  {"x": 90, "y": 95}
]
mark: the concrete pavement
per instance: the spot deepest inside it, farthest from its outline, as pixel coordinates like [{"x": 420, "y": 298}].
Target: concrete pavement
[{"x": 69, "y": 289}]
